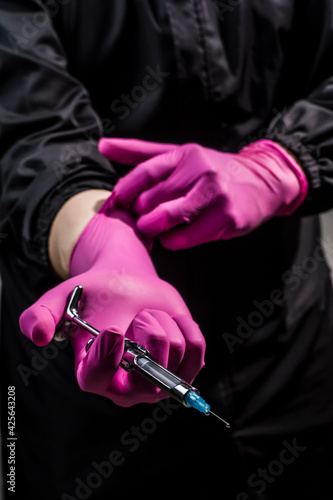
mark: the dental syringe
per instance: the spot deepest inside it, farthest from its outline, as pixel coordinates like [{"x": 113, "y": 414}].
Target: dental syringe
[{"x": 137, "y": 358}]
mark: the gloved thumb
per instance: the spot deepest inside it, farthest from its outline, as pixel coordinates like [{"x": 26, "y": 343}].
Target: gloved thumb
[
  {"x": 39, "y": 322},
  {"x": 132, "y": 151}
]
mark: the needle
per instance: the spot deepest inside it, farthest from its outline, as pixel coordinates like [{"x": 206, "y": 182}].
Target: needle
[{"x": 226, "y": 423}]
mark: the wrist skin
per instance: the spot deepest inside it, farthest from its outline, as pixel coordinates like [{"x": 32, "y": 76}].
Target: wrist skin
[{"x": 68, "y": 225}]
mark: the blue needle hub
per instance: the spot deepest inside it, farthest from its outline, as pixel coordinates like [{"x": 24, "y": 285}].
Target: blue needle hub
[{"x": 193, "y": 399}]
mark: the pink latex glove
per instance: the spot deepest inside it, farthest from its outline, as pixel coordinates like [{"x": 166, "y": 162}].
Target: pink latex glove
[
  {"x": 122, "y": 296},
  {"x": 190, "y": 194}
]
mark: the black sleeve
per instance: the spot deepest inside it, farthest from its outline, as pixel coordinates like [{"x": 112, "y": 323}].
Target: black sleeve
[
  {"x": 48, "y": 129},
  {"x": 305, "y": 127}
]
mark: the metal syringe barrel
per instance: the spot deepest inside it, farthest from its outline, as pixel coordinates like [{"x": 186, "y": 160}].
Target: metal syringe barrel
[{"x": 137, "y": 358}]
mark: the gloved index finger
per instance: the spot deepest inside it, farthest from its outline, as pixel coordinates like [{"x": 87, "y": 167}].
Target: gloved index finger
[
  {"x": 131, "y": 151},
  {"x": 193, "y": 360},
  {"x": 145, "y": 175}
]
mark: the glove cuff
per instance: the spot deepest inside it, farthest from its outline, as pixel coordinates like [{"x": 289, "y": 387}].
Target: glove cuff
[
  {"x": 82, "y": 261},
  {"x": 110, "y": 241},
  {"x": 283, "y": 159}
]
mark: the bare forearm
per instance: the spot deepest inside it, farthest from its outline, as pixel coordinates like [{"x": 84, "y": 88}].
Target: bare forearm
[{"x": 68, "y": 225}]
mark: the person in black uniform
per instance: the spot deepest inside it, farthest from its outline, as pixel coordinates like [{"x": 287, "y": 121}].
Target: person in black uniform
[{"x": 222, "y": 75}]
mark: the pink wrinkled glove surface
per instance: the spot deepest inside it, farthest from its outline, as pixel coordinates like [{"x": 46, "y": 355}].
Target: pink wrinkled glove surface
[
  {"x": 190, "y": 194},
  {"x": 122, "y": 297}
]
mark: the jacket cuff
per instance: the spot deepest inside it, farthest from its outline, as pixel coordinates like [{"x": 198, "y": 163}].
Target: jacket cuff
[{"x": 308, "y": 159}]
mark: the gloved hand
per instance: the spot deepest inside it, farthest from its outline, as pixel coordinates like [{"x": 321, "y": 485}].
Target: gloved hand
[
  {"x": 190, "y": 194},
  {"x": 123, "y": 296}
]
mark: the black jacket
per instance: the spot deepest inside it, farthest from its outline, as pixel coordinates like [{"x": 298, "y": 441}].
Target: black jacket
[
  {"x": 222, "y": 74},
  {"x": 219, "y": 73}
]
